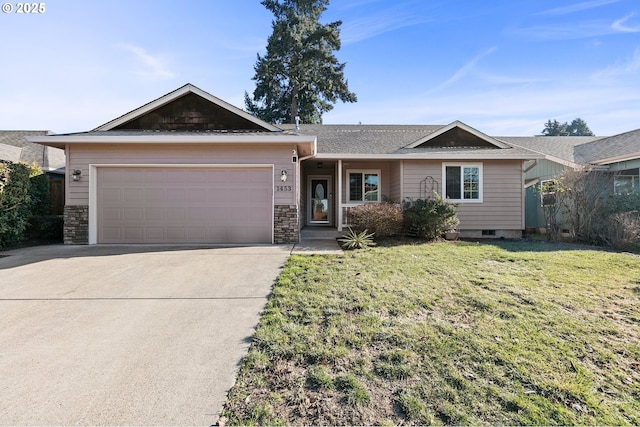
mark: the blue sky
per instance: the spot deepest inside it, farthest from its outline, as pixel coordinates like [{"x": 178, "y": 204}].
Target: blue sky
[{"x": 503, "y": 67}]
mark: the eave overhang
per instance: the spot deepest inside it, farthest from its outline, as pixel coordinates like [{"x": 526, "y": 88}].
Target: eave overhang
[
  {"x": 429, "y": 156},
  {"x": 306, "y": 145}
]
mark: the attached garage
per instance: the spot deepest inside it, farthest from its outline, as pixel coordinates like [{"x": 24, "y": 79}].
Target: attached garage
[
  {"x": 184, "y": 168},
  {"x": 184, "y": 204}
]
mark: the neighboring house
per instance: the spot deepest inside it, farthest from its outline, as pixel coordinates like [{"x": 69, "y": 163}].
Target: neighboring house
[
  {"x": 618, "y": 156},
  {"x": 190, "y": 168},
  {"x": 15, "y": 147}
]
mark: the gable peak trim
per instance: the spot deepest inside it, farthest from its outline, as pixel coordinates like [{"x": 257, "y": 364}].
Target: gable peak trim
[
  {"x": 460, "y": 125},
  {"x": 172, "y": 96}
]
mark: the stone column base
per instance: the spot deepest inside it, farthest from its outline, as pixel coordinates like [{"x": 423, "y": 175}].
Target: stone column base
[
  {"x": 286, "y": 224},
  {"x": 76, "y": 225}
]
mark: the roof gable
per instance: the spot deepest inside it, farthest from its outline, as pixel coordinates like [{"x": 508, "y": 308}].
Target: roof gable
[
  {"x": 613, "y": 149},
  {"x": 188, "y": 109},
  {"x": 458, "y": 135}
]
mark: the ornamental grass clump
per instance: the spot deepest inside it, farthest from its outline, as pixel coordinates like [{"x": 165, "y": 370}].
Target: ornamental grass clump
[{"x": 356, "y": 240}]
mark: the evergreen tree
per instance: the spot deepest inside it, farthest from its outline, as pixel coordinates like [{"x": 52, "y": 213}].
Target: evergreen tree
[
  {"x": 299, "y": 75},
  {"x": 577, "y": 127}
]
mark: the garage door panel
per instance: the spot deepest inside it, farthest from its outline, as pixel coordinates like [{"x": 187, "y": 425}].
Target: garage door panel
[
  {"x": 175, "y": 214},
  {"x": 175, "y": 195},
  {"x": 112, "y": 234},
  {"x": 197, "y": 214},
  {"x": 154, "y": 214},
  {"x": 132, "y": 214},
  {"x": 133, "y": 234},
  {"x": 196, "y": 195},
  {"x": 154, "y": 234},
  {"x": 184, "y": 205},
  {"x": 154, "y": 195}
]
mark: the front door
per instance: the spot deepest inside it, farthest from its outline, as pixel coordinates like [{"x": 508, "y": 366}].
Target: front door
[{"x": 319, "y": 206}]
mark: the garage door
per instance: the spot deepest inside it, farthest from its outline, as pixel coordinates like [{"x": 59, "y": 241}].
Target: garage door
[{"x": 184, "y": 205}]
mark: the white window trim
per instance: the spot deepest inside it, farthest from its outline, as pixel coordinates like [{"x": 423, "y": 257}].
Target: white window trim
[
  {"x": 463, "y": 165},
  {"x": 545, "y": 193},
  {"x": 363, "y": 171}
]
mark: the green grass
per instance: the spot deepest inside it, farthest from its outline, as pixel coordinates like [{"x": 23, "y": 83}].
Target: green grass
[{"x": 447, "y": 333}]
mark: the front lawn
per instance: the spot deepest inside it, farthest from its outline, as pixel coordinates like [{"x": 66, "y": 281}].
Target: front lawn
[{"x": 447, "y": 333}]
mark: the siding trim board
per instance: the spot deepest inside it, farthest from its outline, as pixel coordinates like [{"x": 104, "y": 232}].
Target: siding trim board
[{"x": 93, "y": 186}]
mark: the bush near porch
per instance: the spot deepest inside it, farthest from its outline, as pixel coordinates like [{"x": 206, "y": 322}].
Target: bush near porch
[{"x": 424, "y": 218}]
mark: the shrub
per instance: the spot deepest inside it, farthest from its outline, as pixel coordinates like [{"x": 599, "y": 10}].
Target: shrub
[
  {"x": 39, "y": 194},
  {"x": 46, "y": 227},
  {"x": 14, "y": 202},
  {"x": 624, "y": 230},
  {"x": 429, "y": 218},
  {"x": 381, "y": 219}
]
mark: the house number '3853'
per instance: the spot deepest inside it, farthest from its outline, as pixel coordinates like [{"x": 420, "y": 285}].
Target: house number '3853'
[{"x": 284, "y": 188}]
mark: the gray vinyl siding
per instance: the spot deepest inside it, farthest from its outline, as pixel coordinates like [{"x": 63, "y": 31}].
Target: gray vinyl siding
[{"x": 503, "y": 193}]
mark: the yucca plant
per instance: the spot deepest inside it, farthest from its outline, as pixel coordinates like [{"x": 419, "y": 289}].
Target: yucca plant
[{"x": 355, "y": 240}]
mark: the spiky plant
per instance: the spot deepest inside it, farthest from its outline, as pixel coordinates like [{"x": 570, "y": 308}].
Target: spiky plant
[{"x": 355, "y": 240}]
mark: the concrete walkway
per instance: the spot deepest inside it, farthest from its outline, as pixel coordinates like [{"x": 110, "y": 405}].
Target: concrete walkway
[
  {"x": 320, "y": 246},
  {"x": 127, "y": 335}
]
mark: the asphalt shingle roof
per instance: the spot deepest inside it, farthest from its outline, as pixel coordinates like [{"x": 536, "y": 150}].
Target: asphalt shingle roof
[
  {"x": 364, "y": 139},
  {"x": 562, "y": 147},
  {"x": 48, "y": 158},
  {"x": 623, "y": 144}
]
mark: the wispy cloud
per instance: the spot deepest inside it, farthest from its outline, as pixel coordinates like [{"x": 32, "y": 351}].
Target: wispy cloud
[
  {"x": 562, "y": 31},
  {"x": 464, "y": 70},
  {"x": 629, "y": 67},
  {"x": 619, "y": 25},
  {"x": 576, "y": 7},
  {"x": 607, "y": 107},
  {"x": 149, "y": 66},
  {"x": 381, "y": 22}
]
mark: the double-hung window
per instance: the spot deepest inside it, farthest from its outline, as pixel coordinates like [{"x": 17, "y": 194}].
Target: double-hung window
[
  {"x": 462, "y": 182},
  {"x": 363, "y": 185}
]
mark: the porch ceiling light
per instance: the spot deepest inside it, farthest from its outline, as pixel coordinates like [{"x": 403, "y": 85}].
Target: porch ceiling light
[{"x": 283, "y": 176}]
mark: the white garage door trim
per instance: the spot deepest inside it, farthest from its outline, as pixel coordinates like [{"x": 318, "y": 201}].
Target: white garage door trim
[{"x": 93, "y": 186}]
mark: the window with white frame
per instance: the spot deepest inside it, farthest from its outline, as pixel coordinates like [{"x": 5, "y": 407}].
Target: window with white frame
[
  {"x": 462, "y": 181},
  {"x": 548, "y": 192},
  {"x": 626, "y": 182},
  {"x": 363, "y": 185}
]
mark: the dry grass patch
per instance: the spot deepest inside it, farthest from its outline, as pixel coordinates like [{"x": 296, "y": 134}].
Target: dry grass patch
[{"x": 447, "y": 333}]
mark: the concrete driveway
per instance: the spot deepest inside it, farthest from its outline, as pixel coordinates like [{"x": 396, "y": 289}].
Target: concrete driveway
[{"x": 130, "y": 335}]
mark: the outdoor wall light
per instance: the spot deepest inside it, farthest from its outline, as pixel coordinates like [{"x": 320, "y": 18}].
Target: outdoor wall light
[
  {"x": 283, "y": 176},
  {"x": 76, "y": 174}
]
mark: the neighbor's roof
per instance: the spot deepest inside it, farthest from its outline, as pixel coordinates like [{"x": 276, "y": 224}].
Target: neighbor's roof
[
  {"x": 558, "y": 147},
  {"x": 621, "y": 147},
  {"x": 14, "y": 146}
]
